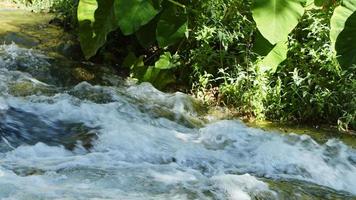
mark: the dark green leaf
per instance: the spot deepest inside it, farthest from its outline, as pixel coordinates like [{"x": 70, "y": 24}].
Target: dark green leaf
[
  {"x": 171, "y": 27},
  {"x": 96, "y": 20},
  {"x": 132, "y": 14}
]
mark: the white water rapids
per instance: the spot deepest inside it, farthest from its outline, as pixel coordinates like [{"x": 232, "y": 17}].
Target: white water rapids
[{"x": 134, "y": 142}]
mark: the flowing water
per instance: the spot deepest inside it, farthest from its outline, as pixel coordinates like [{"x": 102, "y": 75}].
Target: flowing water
[{"x": 65, "y": 138}]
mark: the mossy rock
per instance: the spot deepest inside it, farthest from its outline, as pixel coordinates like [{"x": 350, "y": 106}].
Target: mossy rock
[
  {"x": 28, "y": 88},
  {"x": 82, "y": 74}
]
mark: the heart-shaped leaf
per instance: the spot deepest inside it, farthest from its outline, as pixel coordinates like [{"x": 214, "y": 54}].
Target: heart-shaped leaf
[{"x": 275, "y": 19}]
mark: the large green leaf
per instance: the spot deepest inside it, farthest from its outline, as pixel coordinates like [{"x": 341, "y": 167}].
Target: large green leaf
[
  {"x": 275, "y": 19},
  {"x": 146, "y": 35},
  {"x": 346, "y": 43},
  {"x": 171, "y": 27},
  {"x": 261, "y": 46},
  {"x": 338, "y": 20},
  {"x": 96, "y": 20},
  {"x": 165, "y": 61},
  {"x": 275, "y": 57},
  {"x": 86, "y": 10},
  {"x": 343, "y": 32},
  {"x": 132, "y": 14}
]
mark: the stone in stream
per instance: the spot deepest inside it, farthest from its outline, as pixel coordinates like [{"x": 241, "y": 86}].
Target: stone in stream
[{"x": 18, "y": 128}]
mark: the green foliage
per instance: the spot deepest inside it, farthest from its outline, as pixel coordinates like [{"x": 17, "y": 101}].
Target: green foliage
[
  {"x": 338, "y": 19},
  {"x": 158, "y": 24},
  {"x": 313, "y": 88},
  {"x": 275, "y": 59},
  {"x": 159, "y": 74},
  {"x": 65, "y": 13},
  {"x": 272, "y": 59},
  {"x": 97, "y": 18},
  {"x": 299, "y": 80}
]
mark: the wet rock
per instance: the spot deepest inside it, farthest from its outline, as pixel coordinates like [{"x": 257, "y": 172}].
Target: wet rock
[
  {"x": 28, "y": 171},
  {"x": 20, "y": 39},
  {"x": 28, "y": 88},
  {"x": 82, "y": 74},
  {"x": 23, "y": 128}
]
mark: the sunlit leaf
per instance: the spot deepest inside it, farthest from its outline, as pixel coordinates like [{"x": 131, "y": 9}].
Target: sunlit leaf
[
  {"x": 275, "y": 19},
  {"x": 275, "y": 57}
]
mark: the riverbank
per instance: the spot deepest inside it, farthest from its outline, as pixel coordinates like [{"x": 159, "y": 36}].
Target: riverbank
[{"x": 213, "y": 97}]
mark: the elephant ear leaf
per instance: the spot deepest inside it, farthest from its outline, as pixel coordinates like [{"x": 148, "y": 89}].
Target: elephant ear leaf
[
  {"x": 346, "y": 43},
  {"x": 275, "y": 19},
  {"x": 96, "y": 20},
  {"x": 275, "y": 57},
  {"x": 132, "y": 14},
  {"x": 343, "y": 32},
  {"x": 172, "y": 26}
]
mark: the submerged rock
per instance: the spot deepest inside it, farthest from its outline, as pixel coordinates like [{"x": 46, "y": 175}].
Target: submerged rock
[{"x": 24, "y": 128}]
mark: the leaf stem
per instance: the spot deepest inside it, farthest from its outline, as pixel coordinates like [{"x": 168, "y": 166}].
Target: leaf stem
[{"x": 177, "y": 4}]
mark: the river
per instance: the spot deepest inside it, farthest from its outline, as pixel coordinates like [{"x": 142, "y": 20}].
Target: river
[{"x": 68, "y": 133}]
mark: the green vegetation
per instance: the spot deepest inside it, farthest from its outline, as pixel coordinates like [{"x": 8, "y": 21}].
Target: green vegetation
[{"x": 283, "y": 60}]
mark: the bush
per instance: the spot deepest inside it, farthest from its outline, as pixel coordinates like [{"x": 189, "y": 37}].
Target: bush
[{"x": 309, "y": 86}]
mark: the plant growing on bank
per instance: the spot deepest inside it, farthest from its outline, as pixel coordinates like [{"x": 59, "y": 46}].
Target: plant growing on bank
[
  {"x": 163, "y": 23},
  {"x": 156, "y": 24},
  {"x": 297, "y": 65},
  {"x": 280, "y": 59}
]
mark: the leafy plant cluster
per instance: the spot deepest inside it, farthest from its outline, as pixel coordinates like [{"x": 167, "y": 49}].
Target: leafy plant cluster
[
  {"x": 275, "y": 59},
  {"x": 299, "y": 78},
  {"x": 313, "y": 87},
  {"x": 155, "y": 24}
]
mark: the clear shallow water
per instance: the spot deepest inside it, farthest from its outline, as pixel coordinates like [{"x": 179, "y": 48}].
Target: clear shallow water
[{"x": 76, "y": 140}]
